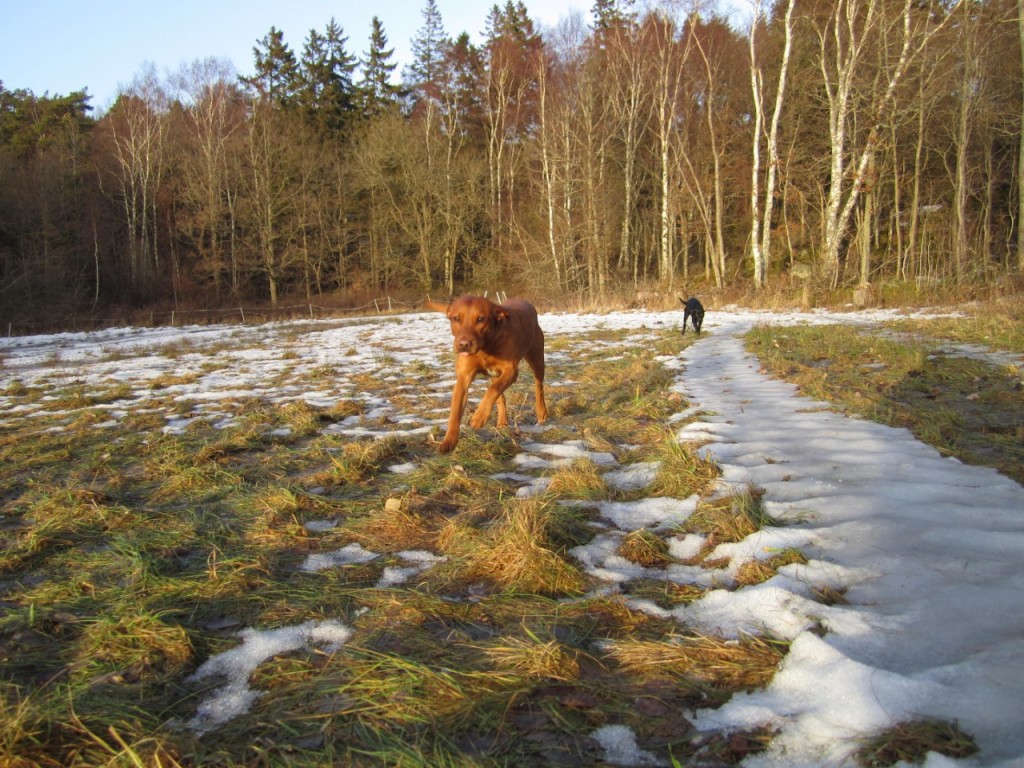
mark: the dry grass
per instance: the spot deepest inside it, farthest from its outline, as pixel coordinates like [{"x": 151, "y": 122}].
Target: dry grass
[
  {"x": 580, "y": 480},
  {"x": 534, "y": 658},
  {"x": 759, "y": 571},
  {"x": 698, "y": 660},
  {"x": 912, "y": 741},
  {"x": 995, "y": 324},
  {"x": 130, "y": 556},
  {"x": 729, "y": 519},
  {"x": 683, "y": 473},
  {"x": 645, "y": 548},
  {"x": 516, "y": 552}
]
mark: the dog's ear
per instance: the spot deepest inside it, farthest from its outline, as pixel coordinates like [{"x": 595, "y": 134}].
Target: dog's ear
[
  {"x": 500, "y": 314},
  {"x": 436, "y": 306}
]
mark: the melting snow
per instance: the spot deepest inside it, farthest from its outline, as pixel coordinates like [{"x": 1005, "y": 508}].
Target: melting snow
[
  {"x": 235, "y": 697},
  {"x": 620, "y": 747},
  {"x": 928, "y": 550},
  {"x": 351, "y": 554}
]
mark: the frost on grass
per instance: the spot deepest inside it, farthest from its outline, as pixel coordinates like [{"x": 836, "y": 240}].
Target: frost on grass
[{"x": 235, "y": 696}]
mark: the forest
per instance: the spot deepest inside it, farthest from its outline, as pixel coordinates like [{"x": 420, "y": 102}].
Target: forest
[{"x": 841, "y": 144}]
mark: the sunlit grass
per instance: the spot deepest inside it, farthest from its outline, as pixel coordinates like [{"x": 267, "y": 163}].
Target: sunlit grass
[
  {"x": 700, "y": 661},
  {"x": 132, "y": 554}
]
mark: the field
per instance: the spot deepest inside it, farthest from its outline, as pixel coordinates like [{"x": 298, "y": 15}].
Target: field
[{"x": 238, "y": 545}]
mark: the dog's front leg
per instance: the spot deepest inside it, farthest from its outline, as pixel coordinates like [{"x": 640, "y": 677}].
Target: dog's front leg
[
  {"x": 495, "y": 394},
  {"x": 459, "y": 396}
]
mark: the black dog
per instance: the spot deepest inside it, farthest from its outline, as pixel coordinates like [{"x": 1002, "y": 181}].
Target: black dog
[{"x": 694, "y": 312}]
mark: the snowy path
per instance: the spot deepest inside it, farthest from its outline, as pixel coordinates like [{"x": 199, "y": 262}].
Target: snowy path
[{"x": 931, "y": 550}]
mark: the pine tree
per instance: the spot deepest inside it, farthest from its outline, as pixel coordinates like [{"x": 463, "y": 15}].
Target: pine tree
[
  {"x": 465, "y": 67},
  {"x": 610, "y": 15},
  {"x": 428, "y": 49},
  {"x": 327, "y": 93},
  {"x": 512, "y": 22},
  {"x": 277, "y": 73},
  {"x": 376, "y": 91}
]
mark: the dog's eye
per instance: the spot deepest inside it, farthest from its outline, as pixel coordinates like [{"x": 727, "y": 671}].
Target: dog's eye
[{"x": 482, "y": 319}]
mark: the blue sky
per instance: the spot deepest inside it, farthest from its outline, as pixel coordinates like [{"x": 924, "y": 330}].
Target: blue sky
[{"x": 59, "y": 46}]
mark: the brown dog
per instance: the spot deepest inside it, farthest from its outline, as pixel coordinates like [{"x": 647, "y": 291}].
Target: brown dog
[{"x": 491, "y": 339}]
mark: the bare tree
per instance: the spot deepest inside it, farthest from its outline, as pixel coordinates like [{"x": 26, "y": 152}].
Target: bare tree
[
  {"x": 844, "y": 41},
  {"x": 661, "y": 32},
  {"x": 136, "y": 126},
  {"x": 627, "y": 72},
  {"x": 269, "y": 194},
  {"x": 215, "y": 120},
  {"x": 761, "y": 221}
]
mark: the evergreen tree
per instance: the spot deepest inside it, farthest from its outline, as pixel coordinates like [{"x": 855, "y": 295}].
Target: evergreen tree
[
  {"x": 29, "y": 122},
  {"x": 377, "y": 92},
  {"x": 513, "y": 23},
  {"x": 464, "y": 65},
  {"x": 327, "y": 92},
  {"x": 611, "y": 15},
  {"x": 428, "y": 49},
  {"x": 277, "y": 73}
]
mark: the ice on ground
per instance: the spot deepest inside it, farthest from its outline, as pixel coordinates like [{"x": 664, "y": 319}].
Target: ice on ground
[
  {"x": 926, "y": 551},
  {"x": 319, "y": 526},
  {"x": 570, "y": 451},
  {"x": 419, "y": 561}
]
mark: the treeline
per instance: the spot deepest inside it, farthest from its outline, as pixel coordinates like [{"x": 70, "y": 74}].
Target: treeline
[{"x": 850, "y": 141}]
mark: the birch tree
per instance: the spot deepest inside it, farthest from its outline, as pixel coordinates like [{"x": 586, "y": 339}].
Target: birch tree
[
  {"x": 214, "y": 114},
  {"x": 137, "y": 131},
  {"x": 844, "y": 42},
  {"x": 628, "y": 71},
  {"x": 761, "y": 220},
  {"x": 669, "y": 56}
]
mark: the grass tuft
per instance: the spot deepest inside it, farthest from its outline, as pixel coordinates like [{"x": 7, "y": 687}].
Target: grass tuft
[
  {"x": 759, "y": 571},
  {"x": 517, "y": 552},
  {"x": 534, "y": 658},
  {"x": 702, "y": 661},
  {"x": 729, "y": 519},
  {"x": 645, "y": 548},
  {"x": 911, "y": 742}
]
